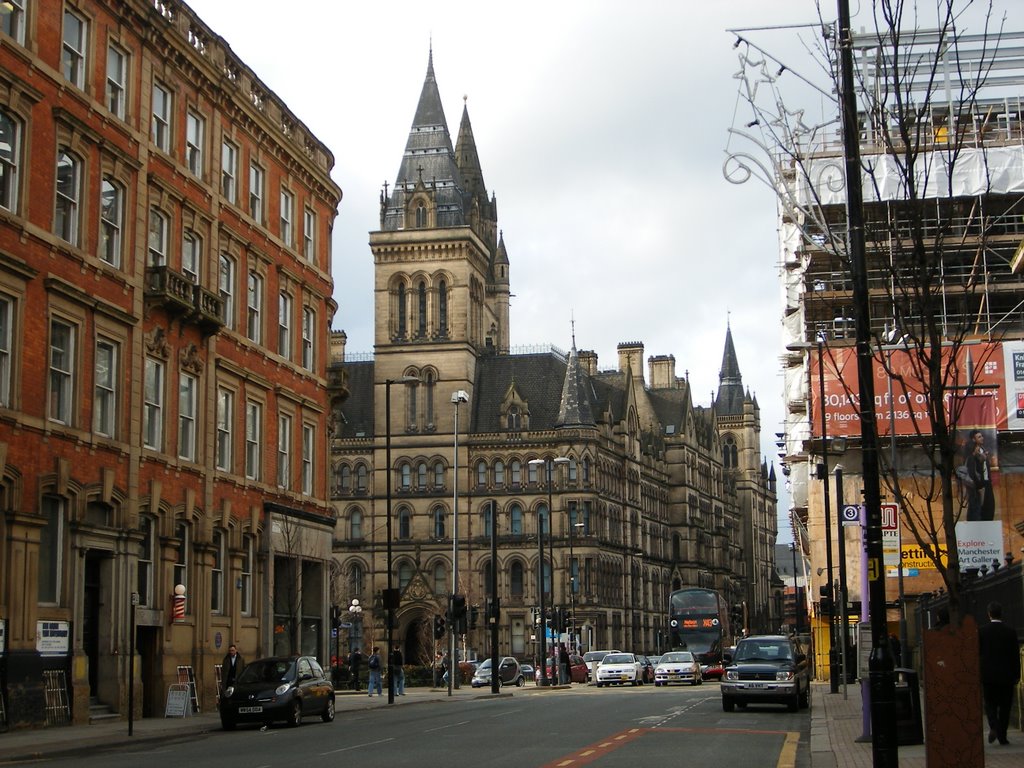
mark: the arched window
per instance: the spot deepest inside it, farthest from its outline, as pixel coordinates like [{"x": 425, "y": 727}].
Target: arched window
[
  {"x": 586, "y": 471},
  {"x": 421, "y": 475},
  {"x": 217, "y": 572},
  {"x": 421, "y": 309},
  {"x": 499, "y": 473},
  {"x": 355, "y": 524},
  {"x": 438, "y": 475},
  {"x": 488, "y": 518},
  {"x": 411, "y": 391},
  {"x": 345, "y": 478},
  {"x": 442, "y": 308},
  {"x": 574, "y": 576},
  {"x": 515, "y": 578},
  {"x": 481, "y": 473},
  {"x": 531, "y": 473},
  {"x": 485, "y": 573},
  {"x": 547, "y": 577},
  {"x": 514, "y": 418},
  {"x": 573, "y": 471},
  {"x": 361, "y": 478},
  {"x": 676, "y": 547},
  {"x": 516, "y": 468},
  {"x": 401, "y": 311},
  {"x": 439, "y": 523},
  {"x": 355, "y": 581},
  {"x": 515, "y": 520},
  {"x": 421, "y": 216},
  {"x": 440, "y": 579},
  {"x": 405, "y": 476},
  {"x": 429, "y": 382},
  {"x": 543, "y": 523},
  {"x": 404, "y": 575},
  {"x": 404, "y": 523}
]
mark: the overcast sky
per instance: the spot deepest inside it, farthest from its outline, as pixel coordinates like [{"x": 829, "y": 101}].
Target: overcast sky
[{"x": 601, "y": 127}]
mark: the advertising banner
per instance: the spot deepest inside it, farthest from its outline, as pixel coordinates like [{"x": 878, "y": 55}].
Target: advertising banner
[
  {"x": 905, "y": 408},
  {"x": 979, "y": 543},
  {"x": 53, "y": 638},
  {"x": 1013, "y": 363}
]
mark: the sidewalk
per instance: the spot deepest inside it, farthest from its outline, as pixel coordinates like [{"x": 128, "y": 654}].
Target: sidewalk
[
  {"x": 65, "y": 741},
  {"x": 837, "y": 724}
]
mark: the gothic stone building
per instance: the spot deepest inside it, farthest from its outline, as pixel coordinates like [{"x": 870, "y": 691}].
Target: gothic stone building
[
  {"x": 649, "y": 492},
  {"x": 165, "y": 295}
]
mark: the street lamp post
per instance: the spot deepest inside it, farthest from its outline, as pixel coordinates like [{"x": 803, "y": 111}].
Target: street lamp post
[
  {"x": 549, "y": 463},
  {"x": 458, "y": 398},
  {"x": 574, "y": 522},
  {"x": 492, "y": 614},
  {"x": 355, "y": 611},
  {"x": 796, "y": 593},
  {"x": 842, "y": 623},
  {"x": 390, "y": 595}
]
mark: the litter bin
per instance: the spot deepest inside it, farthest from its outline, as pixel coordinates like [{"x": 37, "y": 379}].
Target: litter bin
[{"x": 909, "y": 728}]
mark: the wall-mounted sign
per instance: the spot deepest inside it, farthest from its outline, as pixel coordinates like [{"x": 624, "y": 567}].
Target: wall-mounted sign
[{"x": 53, "y": 638}]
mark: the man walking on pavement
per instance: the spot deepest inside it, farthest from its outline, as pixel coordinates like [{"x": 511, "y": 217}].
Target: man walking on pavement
[{"x": 1000, "y": 671}]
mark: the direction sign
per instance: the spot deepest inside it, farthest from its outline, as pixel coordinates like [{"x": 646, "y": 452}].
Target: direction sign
[{"x": 850, "y": 514}]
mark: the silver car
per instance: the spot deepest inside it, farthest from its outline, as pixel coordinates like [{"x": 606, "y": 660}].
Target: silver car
[{"x": 677, "y": 667}]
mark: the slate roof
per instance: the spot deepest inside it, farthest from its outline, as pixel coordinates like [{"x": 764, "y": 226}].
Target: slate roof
[
  {"x": 429, "y": 158},
  {"x": 538, "y": 378},
  {"x": 731, "y": 397},
  {"x": 357, "y": 410},
  {"x": 574, "y": 409}
]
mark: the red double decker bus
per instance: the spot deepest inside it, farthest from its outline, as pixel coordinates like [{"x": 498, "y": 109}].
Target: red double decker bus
[{"x": 698, "y": 621}]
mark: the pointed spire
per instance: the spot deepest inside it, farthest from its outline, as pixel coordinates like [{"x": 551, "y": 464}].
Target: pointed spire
[
  {"x": 575, "y": 409},
  {"x": 468, "y": 160},
  {"x": 730, "y": 388},
  {"x": 428, "y": 160}
]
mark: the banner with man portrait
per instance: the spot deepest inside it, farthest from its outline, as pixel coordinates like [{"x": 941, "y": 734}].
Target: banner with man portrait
[{"x": 978, "y": 468}]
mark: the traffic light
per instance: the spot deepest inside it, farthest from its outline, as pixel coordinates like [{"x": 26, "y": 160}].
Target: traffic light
[
  {"x": 825, "y": 593},
  {"x": 336, "y": 617},
  {"x": 459, "y": 613},
  {"x": 736, "y": 614},
  {"x": 474, "y": 614},
  {"x": 440, "y": 627}
]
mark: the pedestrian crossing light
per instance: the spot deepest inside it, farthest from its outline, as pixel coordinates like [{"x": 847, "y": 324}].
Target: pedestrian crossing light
[{"x": 440, "y": 626}]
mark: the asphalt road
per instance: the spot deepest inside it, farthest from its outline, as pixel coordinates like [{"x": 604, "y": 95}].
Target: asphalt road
[{"x": 628, "y": 727}]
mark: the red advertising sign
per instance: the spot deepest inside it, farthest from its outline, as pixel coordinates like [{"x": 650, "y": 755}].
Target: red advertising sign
[{"x": 904, "y": 403}]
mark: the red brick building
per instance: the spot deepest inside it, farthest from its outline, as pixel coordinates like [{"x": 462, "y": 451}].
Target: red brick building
[{"x": 165, "y": 299}]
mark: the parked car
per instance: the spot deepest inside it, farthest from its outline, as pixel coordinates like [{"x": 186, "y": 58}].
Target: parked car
[
  {"x": 619, "y": 669},
  {"x": 285, "y": 688},
  {"x": 528, "y": 671},
  {"x": 593, "y": 658},
  {"x": 579, "y": 670},
  {"x": 713, "y": 671},
  {"x": 646, "y": 668},
  {"x": 766, "y": 669},
  {"x": 678, "y": 667},
  {"x": 509, "y": 671}
]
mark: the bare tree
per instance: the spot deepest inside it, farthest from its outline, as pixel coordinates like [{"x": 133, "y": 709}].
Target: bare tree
[{"x": 938, "y": 118}]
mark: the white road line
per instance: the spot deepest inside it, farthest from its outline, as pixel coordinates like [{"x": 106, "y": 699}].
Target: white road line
[
  {"x": 450, "y": 725},
  {"x": 355, "y": 746}
]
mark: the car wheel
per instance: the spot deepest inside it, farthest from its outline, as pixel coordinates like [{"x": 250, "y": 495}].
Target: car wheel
[
  {"x": 694, "y": 682},
  {"x": 598, "y": 685},
  {"x": 328, "y": 714},
  {"x": 227, "y": 723},
  {"x": 728, "y": 705},
  {"x": 295, "y": 715},
  {"x": 805, "y": 698},
  {"x": 635, "y": 682},
  {"x": 520, "y": 681}
]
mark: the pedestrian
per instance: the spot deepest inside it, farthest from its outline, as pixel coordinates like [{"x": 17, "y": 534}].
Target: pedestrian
[
  {"x": 231, "y": 667},
  {"x": 1000, "y": 671},
  {"x": 445, "y": 667},
  {"x": 397, "y": 670},
  {"x": 373, "y": 664},
  {"x": 355, "y": 663},
  {"x": 438, "y": 669},
  {"x": 563, "y": 665}
]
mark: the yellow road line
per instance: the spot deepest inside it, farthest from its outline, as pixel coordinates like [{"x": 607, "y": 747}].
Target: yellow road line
[{"x": 787, "y": 755}]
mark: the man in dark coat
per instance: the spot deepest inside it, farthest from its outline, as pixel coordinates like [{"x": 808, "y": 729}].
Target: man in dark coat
[
  {"x": 355, "y": 661},
  {"x": 1000, "y": 671},
  {"x": 231, "y": 667}
]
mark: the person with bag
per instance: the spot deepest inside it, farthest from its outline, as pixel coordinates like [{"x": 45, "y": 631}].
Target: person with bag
[
  {"x": 355, "y": 661},
  {"x": 396, "y": 668},
  {"x": 373, "y": 664}
]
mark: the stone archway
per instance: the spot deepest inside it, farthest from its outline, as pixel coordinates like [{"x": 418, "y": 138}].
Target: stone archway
[{"x": 417, "y": 641}]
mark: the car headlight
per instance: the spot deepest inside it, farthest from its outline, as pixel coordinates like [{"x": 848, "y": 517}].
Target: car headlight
[
  {"x": 784, "y": 674},
  {"x": 732, "y": 674},
  {"x": 282, "y": 689},
  {"x": 228, "y": 691}
]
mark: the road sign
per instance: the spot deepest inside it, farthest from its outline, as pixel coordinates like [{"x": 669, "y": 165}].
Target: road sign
[
  {"x": 850, "y": 514},
  {"x": 891, "y": 533}
]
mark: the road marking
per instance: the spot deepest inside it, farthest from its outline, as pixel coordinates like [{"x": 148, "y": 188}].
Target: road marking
[
  {"x": 356, "y": 746},
  {"x": 787, "y": 757},
  {"x": 450, "y": 725}
]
